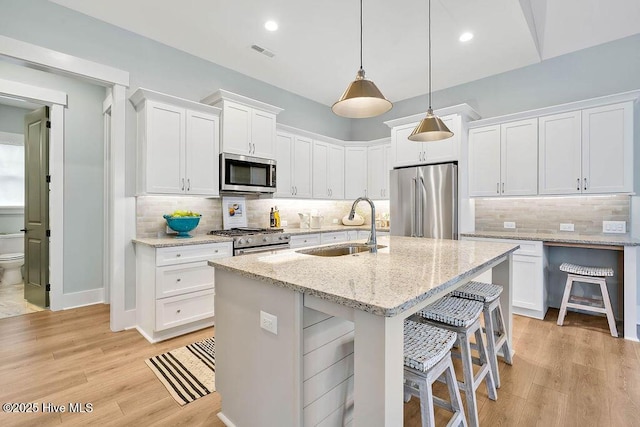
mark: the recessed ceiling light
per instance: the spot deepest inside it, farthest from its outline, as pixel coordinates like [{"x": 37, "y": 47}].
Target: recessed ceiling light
[
  {"x": 271, "y": 25},
  {"x": 465, "y": 37}
]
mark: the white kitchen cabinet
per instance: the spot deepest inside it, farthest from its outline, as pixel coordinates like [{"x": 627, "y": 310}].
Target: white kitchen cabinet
[
  {"x": 304, "y": 240},
  {"x": 355, "y": 174},
  {"x": 177, "y": 145},
  {"x": 334, "y": 237},
  {"x": 294, "y": 165},
  {"x": 175, "y": 288},
  {"x": 248, "y": 126},
  {"x": 409, "y": 153},
  {"x": 379, "y": 163},
  {"x": 560, "y": 153},
  {"x": 503, "y": 159},
  {"x": 328, "y": 171}
]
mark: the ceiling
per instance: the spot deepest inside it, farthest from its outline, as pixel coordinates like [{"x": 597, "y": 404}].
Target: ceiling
[{"x": 317, "y": 45}]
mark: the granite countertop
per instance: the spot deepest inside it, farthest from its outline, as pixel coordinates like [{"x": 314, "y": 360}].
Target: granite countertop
[
  {"x": 589, "y": 239},
  {"x": 170, "y": 241},
  {"x": 332, "y": 228},
  {"x": 399, "y": 276}
]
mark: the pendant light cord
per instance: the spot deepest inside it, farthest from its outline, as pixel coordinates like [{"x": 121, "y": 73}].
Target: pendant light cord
[
  {"x": 429, "y": 54},
  {"x": 361, "y": 34}
]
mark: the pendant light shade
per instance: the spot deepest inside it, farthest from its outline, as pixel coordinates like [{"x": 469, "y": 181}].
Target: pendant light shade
[
  {"x": 431, "y": 128},
  {"x": 362, "y": 98}
]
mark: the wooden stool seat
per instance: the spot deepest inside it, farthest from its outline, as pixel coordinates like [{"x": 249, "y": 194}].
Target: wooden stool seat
[
  {"x": 495, "y": 330},
  {"x": 595, "y": 275},
  {"x": 462, "y": 316},
  {"x": 427, "y": 357}
]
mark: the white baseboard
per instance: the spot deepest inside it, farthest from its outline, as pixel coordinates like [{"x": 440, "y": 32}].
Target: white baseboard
[
  {"x": 227, "y": 422},
  {"x": 83, "y": 298}
]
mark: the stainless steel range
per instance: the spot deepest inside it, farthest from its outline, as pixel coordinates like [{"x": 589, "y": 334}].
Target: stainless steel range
[{"x": 253, "y": 240}]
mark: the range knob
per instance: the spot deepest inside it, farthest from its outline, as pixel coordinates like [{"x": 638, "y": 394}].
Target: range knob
[
  {"x": 249, "y": 240},
  {"x": 240, "y": 241},
  {"x": 265, "y": 239}
]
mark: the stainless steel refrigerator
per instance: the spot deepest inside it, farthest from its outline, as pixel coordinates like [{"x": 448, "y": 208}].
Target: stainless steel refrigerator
[{"x": 424, "y": 201}]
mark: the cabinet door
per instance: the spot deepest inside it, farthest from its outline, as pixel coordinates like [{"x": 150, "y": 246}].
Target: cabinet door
[
  {"x": 320, "y": 181},
  {"x": 263, "y": 134},
  {"x": 284, "y": 166},
  {"x": 387, "y": 153},
  {"x": 355, "y": 172},
  {"x": 607, "y": 149},
  {"x": 519, "y": 158},
  {"x": 335, "y": 171},
  {"x": 376, "y": 172},
  {"x": 445, "y": 150},
  {"x": 559, "y": 153},
  {"x": 301, "y": 178},
  {"x": 201, "y": 153},
  {"x": 236, "y": 128},
  {"x": 406, "y": 152},
  {"x": 165, "y": 149},
  {"x": 484, "y": 161},
  {"x": 528, "y": 286}
]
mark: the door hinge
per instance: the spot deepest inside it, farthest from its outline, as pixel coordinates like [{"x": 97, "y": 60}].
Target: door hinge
[
  {"x": 48, "y": 178},
  {"x": 48, "y": 287},
  {"x": 48, "y": 233},
  {"x": 48, "y": 124}
]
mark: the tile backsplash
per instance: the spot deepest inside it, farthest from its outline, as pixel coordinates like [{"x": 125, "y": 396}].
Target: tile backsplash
[
  {"x": 544, "y": 214},
  {"x": 150, "y": 223}
]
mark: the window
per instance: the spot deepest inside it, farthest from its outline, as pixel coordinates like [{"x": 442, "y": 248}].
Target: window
[{"x": 11, "y": 170}]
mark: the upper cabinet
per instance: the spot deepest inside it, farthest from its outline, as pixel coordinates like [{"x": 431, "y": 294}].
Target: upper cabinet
[
  {"x": 355, "y": 172},
  {"x": 293, "y": 162},
  {"x": 328, "y": 170},
  {"x": 503, "y": 159},
  {"x": 177, "y": 145},
  {"x": 379, "y": 163},
  {"x": 248, "y": 126}
]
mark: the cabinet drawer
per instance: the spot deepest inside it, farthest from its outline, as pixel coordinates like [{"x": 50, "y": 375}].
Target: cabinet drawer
[
  {"x": 305, "y": 240},
  {"x": 182, "y": 309},
  {"x": 337, "y": 237},
  {"x": 178, "y": 279},
  {"x": 185, "y": 254},
  {"x": 527, "y": 247}
]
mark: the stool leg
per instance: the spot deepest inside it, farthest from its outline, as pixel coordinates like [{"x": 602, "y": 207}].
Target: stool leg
[
  {"x": 502, "y": 331},
  {"x": 491, "y": 344},
  {"x": 467, "y": 374},
  {"x": 454, "y": 395},
  {"x": 565, "y": 300},
  {"x": 426, "y": 405},
  {"x": 484, "y": 360},
  {"x": 607, "y": 306}
]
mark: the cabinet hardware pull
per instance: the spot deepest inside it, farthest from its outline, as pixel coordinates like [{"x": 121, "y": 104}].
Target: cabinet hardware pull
[
  {"x": 292, "y": 190},
  {"x": 178, "y": 311},
  {"x": 178, "y": 279},
  {"x": 178, "y": 255},
  {"x": 497, "y": 188},
  {"x": 216, "y": 251},
  {"x": 503, "y": 187},
  {"x": 296, "y": 187},
  {"x": 578, "y": 184},
  {"x": 585, "y": 183},
  {"x": 249, "y": 148},
  {"x": 182, "y": 184},
  {"x": 188, "y": 184}
]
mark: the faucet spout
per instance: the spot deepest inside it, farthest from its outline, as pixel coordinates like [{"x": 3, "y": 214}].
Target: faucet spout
[{"x": 373, "y": 241}]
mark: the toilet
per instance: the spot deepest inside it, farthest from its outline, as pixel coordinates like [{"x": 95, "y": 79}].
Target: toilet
[{"x": 11, "y": 258}]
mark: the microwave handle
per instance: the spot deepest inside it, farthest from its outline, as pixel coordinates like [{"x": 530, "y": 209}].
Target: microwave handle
[{"x": 272, "y": 175}]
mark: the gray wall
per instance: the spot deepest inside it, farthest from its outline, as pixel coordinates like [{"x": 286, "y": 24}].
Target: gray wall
[{"x": 601, "y": 70}]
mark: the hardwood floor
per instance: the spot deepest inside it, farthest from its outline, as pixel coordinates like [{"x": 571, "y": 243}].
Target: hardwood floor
[{"x": 562, "y": 376}]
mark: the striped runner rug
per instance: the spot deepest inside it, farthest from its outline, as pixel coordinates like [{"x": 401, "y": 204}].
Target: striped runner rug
[{"x": 187, "y": 372}]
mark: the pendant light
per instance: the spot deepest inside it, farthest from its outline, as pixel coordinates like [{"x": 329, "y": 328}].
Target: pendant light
[
  {"x": 431, "y": 128},
  {"x": 362, "y": 98}
]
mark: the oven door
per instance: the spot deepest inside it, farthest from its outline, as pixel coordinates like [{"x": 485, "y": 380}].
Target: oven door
[
  {"x": 247, "y": 174},
  {"x": 261, "y": 249}
]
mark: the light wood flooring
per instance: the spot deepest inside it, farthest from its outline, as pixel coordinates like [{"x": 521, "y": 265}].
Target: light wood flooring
[{"x": 562, "y": 376}]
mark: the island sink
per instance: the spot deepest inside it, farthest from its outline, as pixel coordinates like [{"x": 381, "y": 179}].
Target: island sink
[{"x": 340, "y": 250}]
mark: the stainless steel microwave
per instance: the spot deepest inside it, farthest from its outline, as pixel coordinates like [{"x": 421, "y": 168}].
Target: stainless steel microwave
[{"x": 245, "y": 174}]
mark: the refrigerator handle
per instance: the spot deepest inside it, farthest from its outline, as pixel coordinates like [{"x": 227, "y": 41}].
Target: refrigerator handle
[
  {"x": 413, "y": 207},
  {"x": 421, "y": 208}
]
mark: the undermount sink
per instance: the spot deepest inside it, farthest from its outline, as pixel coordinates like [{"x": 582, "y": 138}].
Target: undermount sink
[{"x": 339, "y": 250}]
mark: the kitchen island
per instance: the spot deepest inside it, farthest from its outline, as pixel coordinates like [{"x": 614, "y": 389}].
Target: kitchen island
[{"x": 277, "y": 316}]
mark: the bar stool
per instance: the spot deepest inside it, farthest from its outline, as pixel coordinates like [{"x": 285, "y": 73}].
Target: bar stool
[
  {"x": 462, "y": 316},
  {"x": 495, "y": 331},
  {"x": 427, "y": 357},
  {"x": 596, "y": 275}
]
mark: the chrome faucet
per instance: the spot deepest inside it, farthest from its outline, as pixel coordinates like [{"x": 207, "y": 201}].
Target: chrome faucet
[{"x": 372, "y": 242}]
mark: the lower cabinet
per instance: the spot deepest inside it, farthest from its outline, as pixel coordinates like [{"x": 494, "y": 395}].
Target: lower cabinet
[
  {"x": 334, "y": 237},
  {"x": 529, "y": 296},
  {"x": 175, "y": 288},
  {"x": 304, "y": 240}
]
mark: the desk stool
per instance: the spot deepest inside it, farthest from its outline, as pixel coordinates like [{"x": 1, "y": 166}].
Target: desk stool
[
  {"x": 595, "y": 275},
  {"x": 427, "y": 357},
  {"x": 462, "y": 316},
  {"x": 495, "y": 331}
]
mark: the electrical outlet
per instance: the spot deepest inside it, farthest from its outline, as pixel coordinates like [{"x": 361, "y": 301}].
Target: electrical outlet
[
  {"x": 566, "y": 227},
  {"x": 509, "y": 224},
  {"x": 269, "y": 322},
  {"x": 614, "y": 227}
]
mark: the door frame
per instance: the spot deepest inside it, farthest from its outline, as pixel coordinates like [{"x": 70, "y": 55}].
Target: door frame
[{"x": 119, "y": 208}]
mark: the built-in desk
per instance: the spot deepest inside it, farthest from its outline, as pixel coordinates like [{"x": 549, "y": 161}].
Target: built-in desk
[{"x": 625, "y": 259}]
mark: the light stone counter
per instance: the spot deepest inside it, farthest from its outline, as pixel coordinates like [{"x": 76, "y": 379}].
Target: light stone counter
[
  {"x": 572, "y": 238},
  {"x": 332, "y": 228},
  {"x": 401, "y": 275},
  {"x": 170, "y": 241}
]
